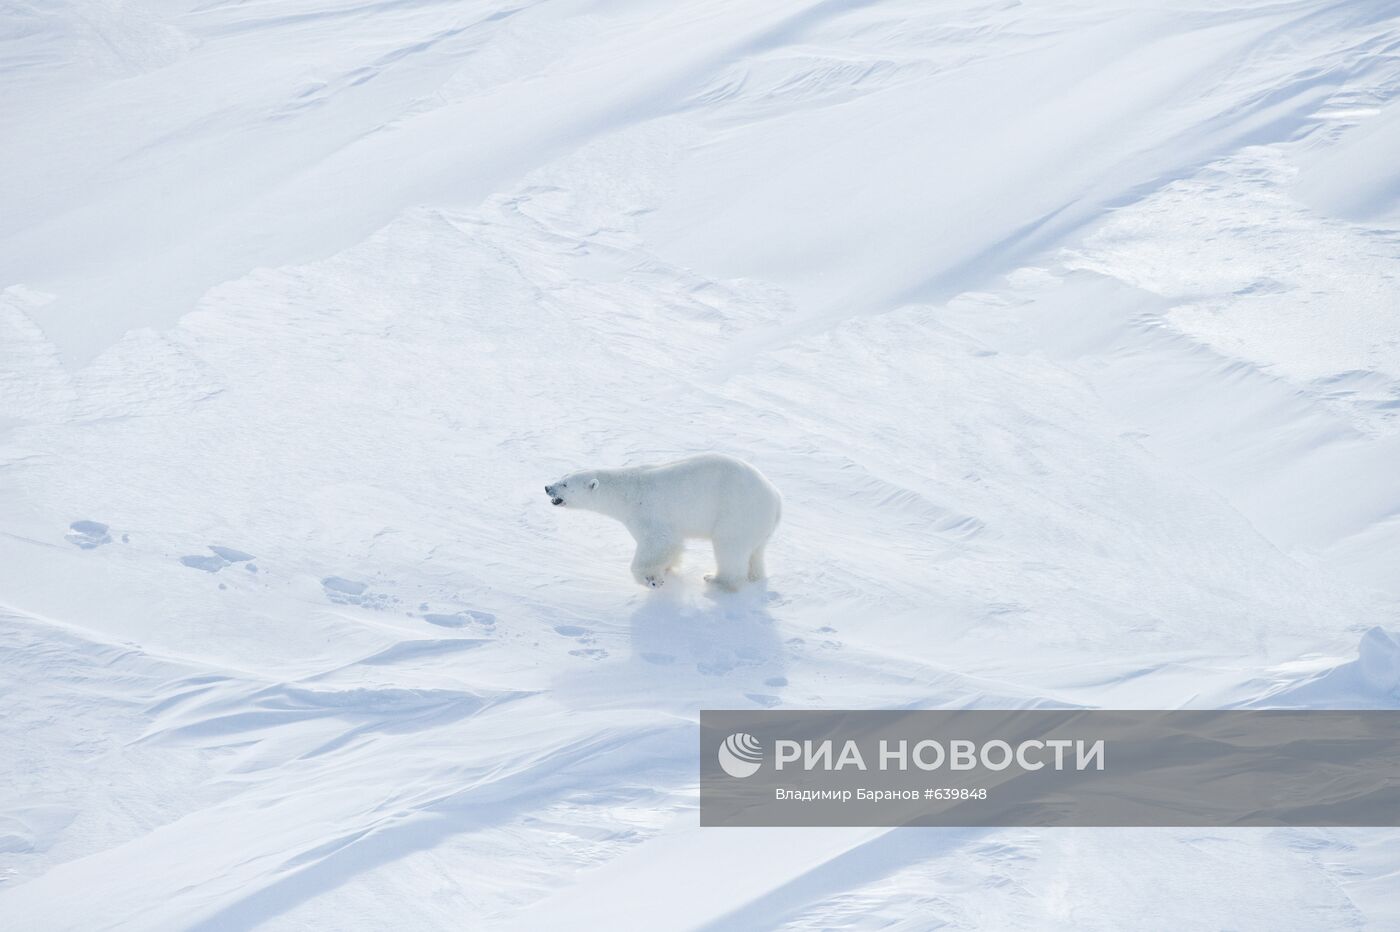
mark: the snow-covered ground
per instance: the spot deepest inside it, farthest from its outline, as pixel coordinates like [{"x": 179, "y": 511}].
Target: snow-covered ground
[{"x": 1070, "y": 331}]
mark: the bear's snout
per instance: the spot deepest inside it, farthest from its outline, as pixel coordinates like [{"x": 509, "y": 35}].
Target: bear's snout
[{"x": 553, "y": 499}]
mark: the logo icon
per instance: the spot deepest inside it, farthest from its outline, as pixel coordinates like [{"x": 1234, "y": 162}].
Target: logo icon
[{"x": 740, "y": 755}]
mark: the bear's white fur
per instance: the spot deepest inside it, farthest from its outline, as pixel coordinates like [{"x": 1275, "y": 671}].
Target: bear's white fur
[{"x": 711, "y": 496}]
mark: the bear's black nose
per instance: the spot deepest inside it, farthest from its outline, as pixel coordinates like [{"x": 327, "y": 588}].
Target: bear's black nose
[{"x": 549, "y": 490}]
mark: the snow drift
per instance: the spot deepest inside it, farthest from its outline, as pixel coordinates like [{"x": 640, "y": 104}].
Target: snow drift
[{"x": 1069, "y": 334}]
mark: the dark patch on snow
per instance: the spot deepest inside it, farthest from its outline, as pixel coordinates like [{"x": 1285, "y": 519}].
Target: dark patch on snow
[
  {"x": 461, "y": 618},
  {"x": 208, "y": 564},
  {"x": 343, "y": 586},
  {"x": 87, "y": 534},
  {"x": 344, "y": 591}
]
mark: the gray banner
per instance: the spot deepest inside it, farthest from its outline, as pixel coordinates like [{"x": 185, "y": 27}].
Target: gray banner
[{"x": 1050, "y": 767}]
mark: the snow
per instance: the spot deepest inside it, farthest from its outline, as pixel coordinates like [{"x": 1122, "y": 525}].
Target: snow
[{"x": 1068, "y": 332}]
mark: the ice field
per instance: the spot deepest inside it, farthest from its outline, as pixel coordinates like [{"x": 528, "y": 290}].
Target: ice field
[{"x": 1070, "y": 333}]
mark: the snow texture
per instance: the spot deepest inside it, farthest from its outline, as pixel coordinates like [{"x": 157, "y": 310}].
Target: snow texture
[{"x": 1070, "y": 333}]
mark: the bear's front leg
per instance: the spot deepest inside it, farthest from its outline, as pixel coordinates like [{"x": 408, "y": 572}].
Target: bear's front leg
[{"x": 655, "y": 552}]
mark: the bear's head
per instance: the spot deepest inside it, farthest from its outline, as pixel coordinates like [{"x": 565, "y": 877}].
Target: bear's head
[{"x": 578, "y": 490}]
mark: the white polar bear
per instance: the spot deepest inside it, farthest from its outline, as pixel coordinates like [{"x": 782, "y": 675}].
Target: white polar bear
[{"x": 710, "y": 496}]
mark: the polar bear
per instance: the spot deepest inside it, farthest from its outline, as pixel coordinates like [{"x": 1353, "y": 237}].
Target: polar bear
[{"x": 709, "y": 496}]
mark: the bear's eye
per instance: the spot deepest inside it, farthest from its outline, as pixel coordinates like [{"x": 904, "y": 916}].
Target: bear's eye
[{"x": 563, "y": 485}]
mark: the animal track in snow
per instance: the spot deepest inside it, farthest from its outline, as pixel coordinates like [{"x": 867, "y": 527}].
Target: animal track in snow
[
  {"x": 584, "y": 637},
  {"x": 458, "y": 619},
  {"x": 222, "y": 557},
  {"x": 343, "y": 591},
  {"x": 208, "y": 564},
  {"x": 88, "y": 534}
]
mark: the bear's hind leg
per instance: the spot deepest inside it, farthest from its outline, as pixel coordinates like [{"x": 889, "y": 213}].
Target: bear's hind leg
[
  {"x": 756, "y": 568},
  {"x": 731, "y": 566}
]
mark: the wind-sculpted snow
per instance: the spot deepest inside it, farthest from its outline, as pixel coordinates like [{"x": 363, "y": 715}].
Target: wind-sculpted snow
[{"x": 1067, "y": 331}]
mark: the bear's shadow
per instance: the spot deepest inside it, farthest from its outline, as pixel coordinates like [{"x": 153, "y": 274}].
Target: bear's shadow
[{"x": 696, "y": 648}]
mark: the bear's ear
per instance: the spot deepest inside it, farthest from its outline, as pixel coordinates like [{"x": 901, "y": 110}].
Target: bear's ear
[{"x": 593, "y": 485}]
